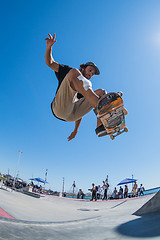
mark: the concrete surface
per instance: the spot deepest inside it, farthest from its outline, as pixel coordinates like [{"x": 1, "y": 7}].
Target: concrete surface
[
  {"x": 68, "y": 219},
  {"x": 152, "y": 206}
]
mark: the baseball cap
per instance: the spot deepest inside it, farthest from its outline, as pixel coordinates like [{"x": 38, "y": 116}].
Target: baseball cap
[{"x": 97, "y": 72}]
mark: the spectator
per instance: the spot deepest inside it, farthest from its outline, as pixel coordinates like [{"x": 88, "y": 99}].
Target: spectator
[
  {"x": 99, "y": 192},
  {"x": 80, "y": 194},
  {"x": 105, "y": 188},
  {"x": 94, "y": 192},
  {"x": 134, "y": 190},
  {"x": 40, "y": 189},
  {"x": 114, "y": 194},
  {"x": 126, "y": 192},
  {"x": 120, "y": 193},
  {"x": 141, "y": 189}
]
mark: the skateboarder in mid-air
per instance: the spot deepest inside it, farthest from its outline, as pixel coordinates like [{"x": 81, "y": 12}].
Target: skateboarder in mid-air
[{"x": 74, "y": 96}]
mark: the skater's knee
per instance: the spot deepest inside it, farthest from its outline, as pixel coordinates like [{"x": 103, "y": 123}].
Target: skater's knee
[
  {"x": 86, "y": 83},
  {"x": 78, "y": 80},
  {"x": 100, "y": 92},
  {"x": 73, "y": 73}
]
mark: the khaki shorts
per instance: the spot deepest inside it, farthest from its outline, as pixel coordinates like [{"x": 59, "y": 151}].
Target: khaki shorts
[{"x": 64, "y": 105}]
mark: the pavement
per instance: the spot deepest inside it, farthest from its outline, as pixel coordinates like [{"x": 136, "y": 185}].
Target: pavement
[{"x": 25, "y": 217}]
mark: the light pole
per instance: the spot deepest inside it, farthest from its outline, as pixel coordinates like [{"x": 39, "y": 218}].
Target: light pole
[
  {"x": 20, "y": 152},
  {"x": 46, "y": 176},
  {"x": 74, "y": 185},
  {"x": 63, "y": 188},
  {"x": 132, "y": 182}
]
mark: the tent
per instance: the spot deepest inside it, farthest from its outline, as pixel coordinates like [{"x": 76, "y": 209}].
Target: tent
[
  {"x": 127, "y": 180},
  {"x": 40, "y": 180}
]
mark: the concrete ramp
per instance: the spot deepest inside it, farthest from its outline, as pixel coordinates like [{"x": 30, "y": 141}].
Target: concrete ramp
[
  {"x": 48, "y": 217},
  {"x": 152, "y": 206}
]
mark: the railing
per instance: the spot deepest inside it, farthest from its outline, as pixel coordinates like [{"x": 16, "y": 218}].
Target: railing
[{"x": 152, "y": 190}]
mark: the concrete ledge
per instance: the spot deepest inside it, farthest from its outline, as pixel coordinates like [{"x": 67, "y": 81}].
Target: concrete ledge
[
  {"x": 31, "y": 194},
  {"x": 152, "y": 206}
]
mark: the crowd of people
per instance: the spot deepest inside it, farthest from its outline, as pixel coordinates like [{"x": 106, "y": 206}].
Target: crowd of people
[
  {"x": 101, "y": 192},
  {"x": 13, "y": 184},
  {"x": 97, "y": 191}
]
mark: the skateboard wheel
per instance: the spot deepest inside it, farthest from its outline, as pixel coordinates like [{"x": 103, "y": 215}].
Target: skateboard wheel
[
  {"x": 120, "y": 93},
  {"x": 126, "y": 129},
  {"x": 112, "y": 137},
  {"x": 125, "y": 111}
]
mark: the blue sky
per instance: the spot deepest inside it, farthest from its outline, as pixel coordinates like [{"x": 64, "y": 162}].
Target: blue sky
[{"x": 123, "y": 39}]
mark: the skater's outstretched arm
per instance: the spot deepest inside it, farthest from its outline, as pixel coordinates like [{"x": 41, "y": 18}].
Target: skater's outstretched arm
[
  {"x": 50, "y": 41},
  {"x": 74, "y": 133}
]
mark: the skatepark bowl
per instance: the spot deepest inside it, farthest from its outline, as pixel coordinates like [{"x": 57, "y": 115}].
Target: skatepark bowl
[{"x": 26, "y": 217}]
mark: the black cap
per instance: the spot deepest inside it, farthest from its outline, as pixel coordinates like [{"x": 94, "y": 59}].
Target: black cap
[{"x": 97, "y": 72}]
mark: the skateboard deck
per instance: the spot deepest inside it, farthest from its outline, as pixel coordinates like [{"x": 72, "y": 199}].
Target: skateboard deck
[{"x": 111, "y": 111}]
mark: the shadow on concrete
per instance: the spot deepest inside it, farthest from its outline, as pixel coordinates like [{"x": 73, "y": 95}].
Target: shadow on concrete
[{"x": 143, "y": 227}]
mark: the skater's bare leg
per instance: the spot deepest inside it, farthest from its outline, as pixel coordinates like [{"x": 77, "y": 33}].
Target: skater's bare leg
[{"x": 99, "y": 92}]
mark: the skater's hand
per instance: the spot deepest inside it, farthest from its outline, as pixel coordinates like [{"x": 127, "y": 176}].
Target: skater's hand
[
  {"x": 50, "y": 41},
  {"x": 73, "y": 134}
]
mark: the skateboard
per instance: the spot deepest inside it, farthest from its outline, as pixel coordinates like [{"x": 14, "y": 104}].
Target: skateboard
[{"x": 110, "y": 110}]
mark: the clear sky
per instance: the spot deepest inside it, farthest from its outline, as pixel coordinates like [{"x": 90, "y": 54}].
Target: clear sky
[{"x": 123, "y": 39}]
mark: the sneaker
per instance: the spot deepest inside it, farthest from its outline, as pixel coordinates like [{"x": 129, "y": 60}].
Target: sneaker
[{"x": 101, "y": 131}]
